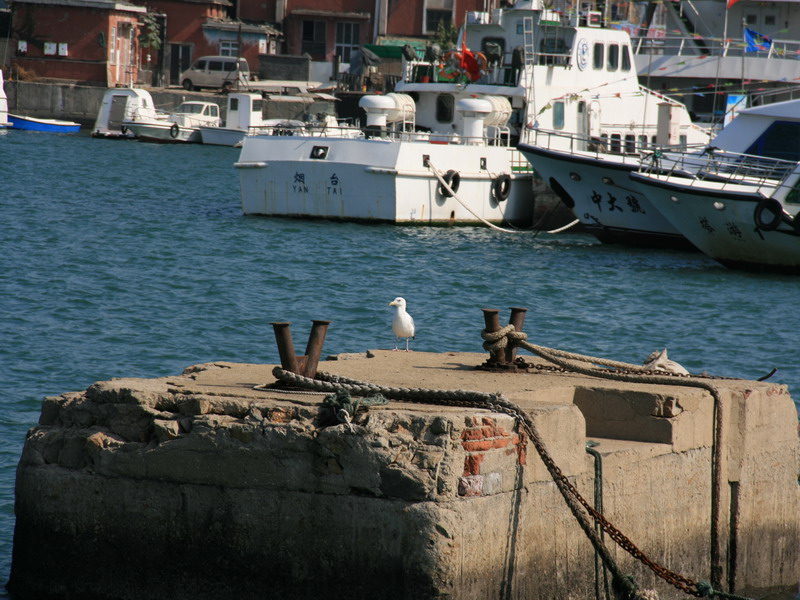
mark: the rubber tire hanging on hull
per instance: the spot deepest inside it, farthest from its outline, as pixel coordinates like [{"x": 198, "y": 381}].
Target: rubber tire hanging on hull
[
  {"x": 774, "y": 208},
  {"x": 453, "y": 179},
  {"x": 174, "y": 131},
  {"x": 501, "y": 187},
  {"x": 559, "y": 191}
]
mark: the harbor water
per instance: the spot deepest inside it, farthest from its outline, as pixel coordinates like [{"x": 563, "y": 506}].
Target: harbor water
[{"x": 126, "y": 259}]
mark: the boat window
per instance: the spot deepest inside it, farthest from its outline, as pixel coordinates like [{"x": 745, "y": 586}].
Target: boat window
[
  {"x": 613, "y": 57},
  {"x": 626, "y": 58},
  {"x": 553, "y": 51},
  {"x": 653, "y": 141},
  {"x": 489, "y": 46},
  {"x": 258, "y": 106},
  {"x": 642, "y": 143},
  {"x": 598, "y": 55},
  {"x": 779, "y": 140},
  {"x": 558, "y": 115},
  {"x": 234, "y": 106},
  {"x": 616, "y": 146},
  {"x": 630, "y": 144},
  {"x": 445, "y": 104},
  {"x": 603, "y": 141},
  {"x": 684, "y": 141}
]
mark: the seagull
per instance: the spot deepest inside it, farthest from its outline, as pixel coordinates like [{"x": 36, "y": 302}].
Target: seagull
[
  {"x": 659, "y": 361},
  {"x": 403, "y": 323}
]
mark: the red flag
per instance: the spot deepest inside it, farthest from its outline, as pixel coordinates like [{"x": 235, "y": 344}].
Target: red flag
[
  {"x": 732, "y": 2},
  {"x": 469, "y": 63}
]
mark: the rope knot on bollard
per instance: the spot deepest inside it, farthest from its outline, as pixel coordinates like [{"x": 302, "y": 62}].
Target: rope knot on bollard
[{"x": 507, "y": 336}]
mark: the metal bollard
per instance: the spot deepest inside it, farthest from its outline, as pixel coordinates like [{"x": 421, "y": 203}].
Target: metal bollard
[
  {"x": 305, "y": 365},
  {"x": 517, "y": 319},
  {"x": 314, "y": 347},
  {"x": 491, "y": 319}
]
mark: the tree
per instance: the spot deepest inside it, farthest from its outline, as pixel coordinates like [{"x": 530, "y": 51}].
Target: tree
[
  {"x": 445, "y": 36},
  {"x": 150, "y": 34}
]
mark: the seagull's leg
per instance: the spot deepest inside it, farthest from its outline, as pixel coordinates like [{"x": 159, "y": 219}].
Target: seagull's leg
[
  {"x": 396, "y": 343},
  {"x": 407, "y": 350}
]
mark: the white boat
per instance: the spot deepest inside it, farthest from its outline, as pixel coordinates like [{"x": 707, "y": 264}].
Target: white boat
[
  {"x": 243, "y": 116},
  {"x": 181, "y": 125},
  {"x": 118, "y": 105},
  {"x": 4, "y": 122},
  {"x": 587, "y": 153},
  {"x": 741, "y": 209},
  {"x": 442, "y": 148}
]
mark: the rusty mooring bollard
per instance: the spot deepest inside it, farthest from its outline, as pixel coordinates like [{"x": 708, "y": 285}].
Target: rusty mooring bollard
[
  {"x": 504, "y": 359},
  {"x": 491, "y": 318},
  {"x": 517, "y": 319},
  {"x": 305, "y": 365}
]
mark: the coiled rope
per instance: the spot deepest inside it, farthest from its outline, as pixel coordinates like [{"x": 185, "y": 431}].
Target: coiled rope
[{"x": 623, "y": 585}]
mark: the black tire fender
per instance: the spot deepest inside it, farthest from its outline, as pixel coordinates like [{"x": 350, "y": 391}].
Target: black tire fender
[
  {"x": 501, "y": 187},
  {"x": 559, "y": 191},
  {"x": 453, "y": 179},
  {"x": 174, "y": 130},
  {"x": 775, "y": 211}
]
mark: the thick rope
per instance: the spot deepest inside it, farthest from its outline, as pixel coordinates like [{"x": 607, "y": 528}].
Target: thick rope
[{"x": 580, "y": 364}]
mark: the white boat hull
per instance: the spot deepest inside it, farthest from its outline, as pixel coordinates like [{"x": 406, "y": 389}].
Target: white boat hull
[
  {"x": 221, "y": 136},
  {"x": 166, "y": 132},
  {"x": 602, "y": 197},
  {"x": 722, "y": 224},
  {"x": 377, "y": 180}
]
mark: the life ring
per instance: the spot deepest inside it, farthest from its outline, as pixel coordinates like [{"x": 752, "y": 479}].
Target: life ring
[
  {"x": 450, "y": 68},
  {"x": 775, "y": 210},
  {"x": 501, "y": 187},
  {"x": 174, "y": 130},
  {"x": 453, "y": 179},
  {"x": 483, "y": 62}
]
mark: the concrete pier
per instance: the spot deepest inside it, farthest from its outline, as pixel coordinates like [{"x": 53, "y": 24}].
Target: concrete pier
[{"x": 210, "y": 485}]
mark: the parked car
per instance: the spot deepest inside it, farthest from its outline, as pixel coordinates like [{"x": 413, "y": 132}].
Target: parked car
[{"x": 220, "y": 72}]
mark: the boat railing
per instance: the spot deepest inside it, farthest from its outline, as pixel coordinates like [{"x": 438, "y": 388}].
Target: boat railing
[
  {"x": 602, "y": 146},
  {"x": 715, "y": 165},
  {"x": 710, "y": 46}
]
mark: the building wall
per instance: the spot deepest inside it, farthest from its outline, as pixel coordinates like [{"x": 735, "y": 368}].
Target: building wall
[{"x": 74, "y": 43}]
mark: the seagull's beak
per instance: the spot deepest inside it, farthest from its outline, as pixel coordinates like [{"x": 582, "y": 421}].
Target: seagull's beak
[{"x": 392, "y": 303}]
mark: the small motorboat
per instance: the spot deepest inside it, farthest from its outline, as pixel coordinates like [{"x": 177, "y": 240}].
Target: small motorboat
[
  {"x": 181, "y": 125},
  {"x": 48, "y": 125}
]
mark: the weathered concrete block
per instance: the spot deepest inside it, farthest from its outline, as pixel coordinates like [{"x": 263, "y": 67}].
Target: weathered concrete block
[{"x": 203, "y": 486}]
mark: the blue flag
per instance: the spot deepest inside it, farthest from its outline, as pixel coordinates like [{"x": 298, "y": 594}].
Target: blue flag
[{"x": 755, "y": 41}]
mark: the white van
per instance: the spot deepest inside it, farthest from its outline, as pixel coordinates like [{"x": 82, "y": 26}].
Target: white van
[{"x": 220, "y": 72}]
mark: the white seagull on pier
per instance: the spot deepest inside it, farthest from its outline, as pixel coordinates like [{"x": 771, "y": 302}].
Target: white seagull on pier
[{"x": 403, "y": 323}]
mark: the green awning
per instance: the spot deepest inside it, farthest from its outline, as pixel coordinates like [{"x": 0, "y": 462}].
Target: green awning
[{"x": 394, "y": 50}]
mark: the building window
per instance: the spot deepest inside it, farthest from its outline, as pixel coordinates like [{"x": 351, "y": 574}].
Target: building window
[
  {"x": 347, "y": 40},
  {"x": 437, "y": 11},
  {"x": 434, "y": 17},
  {"x": 229, "y": 49},
  {"x": 112, "y": 47},
  {"x": 314, "y": 39},
  {"x": 599, "y": 52}
]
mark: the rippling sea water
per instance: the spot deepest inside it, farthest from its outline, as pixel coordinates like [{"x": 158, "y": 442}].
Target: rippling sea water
[{"x": 125, "y": 259}]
